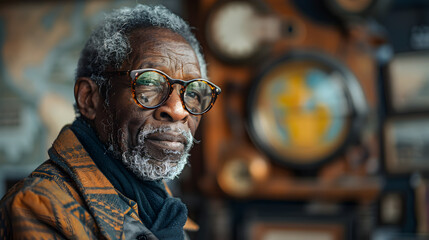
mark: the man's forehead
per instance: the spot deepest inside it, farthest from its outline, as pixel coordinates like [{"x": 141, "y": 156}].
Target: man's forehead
[
  {"x": 153, "y": 36},
  {"x": 153, "y": 47}
]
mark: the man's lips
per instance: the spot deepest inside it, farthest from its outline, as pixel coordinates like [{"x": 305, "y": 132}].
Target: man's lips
[{"x": 167, "y": 140}]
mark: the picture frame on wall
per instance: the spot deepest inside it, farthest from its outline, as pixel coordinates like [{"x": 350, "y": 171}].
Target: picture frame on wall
[
  {"x": 408, "y": 83},
  {"x": 406, "y": 144},
  {"x": 293, "y": 231},
  {"x": 299, "y": 226}
]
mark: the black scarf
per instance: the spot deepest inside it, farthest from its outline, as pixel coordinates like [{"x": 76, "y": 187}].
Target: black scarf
[{"x": 164, "y": 215}]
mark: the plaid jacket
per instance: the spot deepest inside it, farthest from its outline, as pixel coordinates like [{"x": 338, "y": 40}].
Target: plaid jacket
[{"x": 67, "y": 197}]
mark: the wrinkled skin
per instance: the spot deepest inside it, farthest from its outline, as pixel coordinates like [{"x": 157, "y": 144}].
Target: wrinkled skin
[{"x": 119, "y": 122}]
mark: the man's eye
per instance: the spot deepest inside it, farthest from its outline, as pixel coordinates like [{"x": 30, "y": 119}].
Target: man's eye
[
  {"x": 146, "y": 97},
  {"x": 194, "y": 95}
]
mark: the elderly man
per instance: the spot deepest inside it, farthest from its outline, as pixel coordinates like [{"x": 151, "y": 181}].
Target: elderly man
[{"x": 140, "y": 92}]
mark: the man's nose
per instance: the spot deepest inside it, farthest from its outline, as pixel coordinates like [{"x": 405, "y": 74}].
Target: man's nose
[{"x": 172, "y": 110}]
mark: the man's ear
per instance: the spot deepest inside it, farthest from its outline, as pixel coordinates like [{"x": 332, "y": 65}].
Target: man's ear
[{"x": 87, "y": 97}]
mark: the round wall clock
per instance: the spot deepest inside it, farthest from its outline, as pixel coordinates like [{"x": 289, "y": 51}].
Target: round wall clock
[
  {"x": 231, "y": 33},
  {"x": 304, "y": 109}
]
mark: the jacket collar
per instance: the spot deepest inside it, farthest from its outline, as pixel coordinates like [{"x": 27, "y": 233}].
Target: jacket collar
[{"x": 105, "y": 204}]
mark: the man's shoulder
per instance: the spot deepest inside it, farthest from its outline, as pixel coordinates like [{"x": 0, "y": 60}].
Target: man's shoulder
[
  {"x": 47, "y": 203},
  {"x": 47, "y": 181},
  {"x": 50, "y": 171}
]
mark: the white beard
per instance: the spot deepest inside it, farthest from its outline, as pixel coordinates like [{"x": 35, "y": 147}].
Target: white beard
[{"x": 146, "y": 167}]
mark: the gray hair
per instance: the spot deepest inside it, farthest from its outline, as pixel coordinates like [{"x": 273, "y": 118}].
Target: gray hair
[{"x": 108, "y": 45}]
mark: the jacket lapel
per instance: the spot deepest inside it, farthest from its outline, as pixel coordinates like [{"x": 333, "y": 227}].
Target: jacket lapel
[{"x": 104, "y": 203}]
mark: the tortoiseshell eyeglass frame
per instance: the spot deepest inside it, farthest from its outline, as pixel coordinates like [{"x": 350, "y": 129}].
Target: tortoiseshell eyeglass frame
[{"x": 134, "y": 74}]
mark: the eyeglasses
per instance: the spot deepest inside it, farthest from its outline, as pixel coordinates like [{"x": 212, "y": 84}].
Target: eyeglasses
[{"x": 151, "y": 88}]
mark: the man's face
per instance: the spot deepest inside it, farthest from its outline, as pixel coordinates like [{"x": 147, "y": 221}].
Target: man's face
[{"x": 154, "y": 144}]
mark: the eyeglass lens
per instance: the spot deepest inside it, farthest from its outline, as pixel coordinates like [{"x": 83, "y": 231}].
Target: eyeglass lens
[{"x": 152, "y": 89}]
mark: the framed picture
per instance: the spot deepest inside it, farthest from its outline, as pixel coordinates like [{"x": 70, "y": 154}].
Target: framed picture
[
  {"x": 298, "y": 225},
  {"x": 406, "y": 144},
  {"x": 275, "y": 220},
  {"x": 294, "y": 231},
  {"x": 408, "y": 83}
]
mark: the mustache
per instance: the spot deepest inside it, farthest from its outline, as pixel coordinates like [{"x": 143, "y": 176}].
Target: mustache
[{"x": 148, "y": 130}]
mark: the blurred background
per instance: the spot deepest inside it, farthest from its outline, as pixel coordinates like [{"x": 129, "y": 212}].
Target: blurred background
[{"x": 321, "y": 131}]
